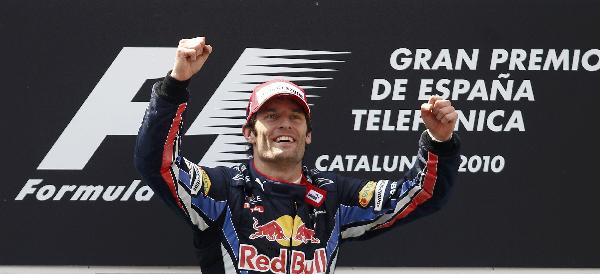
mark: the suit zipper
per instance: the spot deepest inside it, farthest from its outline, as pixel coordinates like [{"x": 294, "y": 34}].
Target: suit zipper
[{"x": 289, "y": 252}]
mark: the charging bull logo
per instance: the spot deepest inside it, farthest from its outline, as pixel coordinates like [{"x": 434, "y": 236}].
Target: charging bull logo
[
  {"x": 285, "y": 230},
  {"x": 305, "y": 235},
  {"x": 272, "y": 231}
]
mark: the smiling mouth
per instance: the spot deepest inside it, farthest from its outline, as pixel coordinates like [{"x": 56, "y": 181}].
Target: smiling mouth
[{"x": 284, "y": 139}]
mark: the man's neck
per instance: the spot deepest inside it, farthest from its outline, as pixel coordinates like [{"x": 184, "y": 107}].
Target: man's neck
[{"x": 290, "y": 173}]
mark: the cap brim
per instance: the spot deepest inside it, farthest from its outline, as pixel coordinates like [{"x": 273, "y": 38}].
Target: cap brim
[{"x": 295, "y": 98}]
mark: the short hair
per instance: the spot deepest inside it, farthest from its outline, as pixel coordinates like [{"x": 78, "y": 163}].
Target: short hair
[{"x": 251, "y": 126}]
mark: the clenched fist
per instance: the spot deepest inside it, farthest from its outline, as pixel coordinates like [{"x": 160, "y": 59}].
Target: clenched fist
[
  {"x": 439, "y": 117},
  {"x": 190, "y": 57}
]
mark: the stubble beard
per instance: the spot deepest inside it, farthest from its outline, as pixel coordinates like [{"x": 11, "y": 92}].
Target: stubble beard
[{"x": 276, "y": 155}]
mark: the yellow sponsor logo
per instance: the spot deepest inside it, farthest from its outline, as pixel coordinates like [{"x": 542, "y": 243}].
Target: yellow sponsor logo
[
  {"x": 366, "y": 193},
  {"x": 205, "y": 182}
]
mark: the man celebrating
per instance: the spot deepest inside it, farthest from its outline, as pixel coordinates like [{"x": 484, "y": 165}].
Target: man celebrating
[{"x": 271, "y": 214}]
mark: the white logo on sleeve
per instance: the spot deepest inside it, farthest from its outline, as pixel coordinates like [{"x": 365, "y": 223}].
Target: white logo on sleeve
[{"x": 380, "y": 194}]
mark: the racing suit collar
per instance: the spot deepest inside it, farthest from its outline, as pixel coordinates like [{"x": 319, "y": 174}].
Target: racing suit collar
[
  {"x": 304, "y": 191},
  {"x": 303, "y": 180},
  {"x": 274, "y": 187}
]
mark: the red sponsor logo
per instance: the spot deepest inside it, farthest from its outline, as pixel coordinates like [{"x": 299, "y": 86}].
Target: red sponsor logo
[
  {"x": 272, "y": 231},
  {"x": 314, "y": 196},
  {"x": 250, "y": 259},
  {"x": 306, "y": 235},
  {"x": 285, "y": 230},
  {"x": 257, "y": 208}
]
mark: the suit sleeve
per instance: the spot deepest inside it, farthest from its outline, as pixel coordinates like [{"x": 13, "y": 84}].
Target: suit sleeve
[
  {"x": 197, "y": 194},
  {"x": 370, "y": 207}
]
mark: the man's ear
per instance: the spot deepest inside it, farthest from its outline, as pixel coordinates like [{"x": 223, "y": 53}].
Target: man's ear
[
  {"x": 249, "y": 135},
  {"x": 308, "y": 137}
]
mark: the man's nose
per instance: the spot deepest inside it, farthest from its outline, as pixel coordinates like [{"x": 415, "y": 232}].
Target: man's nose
[{"x": 286, "y": 123}]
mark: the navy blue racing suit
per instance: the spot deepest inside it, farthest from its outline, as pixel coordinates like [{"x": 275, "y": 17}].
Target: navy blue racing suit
[{"x": 253, "y": 223}]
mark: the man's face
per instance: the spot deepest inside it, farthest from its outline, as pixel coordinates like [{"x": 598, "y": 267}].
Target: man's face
[{"x": 280, "y": 132}]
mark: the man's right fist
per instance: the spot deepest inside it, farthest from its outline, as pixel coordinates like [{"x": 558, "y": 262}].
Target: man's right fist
[{"x": 190, "y": 57}]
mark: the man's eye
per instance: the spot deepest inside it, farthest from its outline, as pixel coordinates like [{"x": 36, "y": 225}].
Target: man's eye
[{"x": 270, "y": 116}]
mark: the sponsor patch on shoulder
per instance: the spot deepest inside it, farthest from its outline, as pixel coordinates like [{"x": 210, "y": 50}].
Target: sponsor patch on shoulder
[
  {"x": 205, "y": 181},
  {"x": 393, "y": 187},
  {"x": 380, "y": 195},
  {"x": 196, "y": 180},
  {"x": 366, "y": 194}
]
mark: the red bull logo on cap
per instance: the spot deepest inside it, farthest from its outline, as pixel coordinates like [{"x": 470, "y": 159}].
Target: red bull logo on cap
[{"x": 285, "y": 230}]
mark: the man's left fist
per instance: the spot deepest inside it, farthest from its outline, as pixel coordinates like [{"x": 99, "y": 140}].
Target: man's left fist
[{"x": 439, "y": 117}]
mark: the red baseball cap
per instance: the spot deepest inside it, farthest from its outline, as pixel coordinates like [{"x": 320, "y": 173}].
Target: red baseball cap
[{"x": 272, "y": 89}]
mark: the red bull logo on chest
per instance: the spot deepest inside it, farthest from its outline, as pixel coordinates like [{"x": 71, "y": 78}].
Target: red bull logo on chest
[
  {"x": 285, "y": 230},
  {"x": 250, "y": 259}
]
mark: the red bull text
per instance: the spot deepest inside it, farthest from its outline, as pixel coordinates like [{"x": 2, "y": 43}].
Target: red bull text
[{"x": 251, "y": 260}]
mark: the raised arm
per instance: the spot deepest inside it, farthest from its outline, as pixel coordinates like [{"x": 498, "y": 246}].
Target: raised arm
[
  {"x": 372, "y": 206},
  {"x": 185, "y": 186}
]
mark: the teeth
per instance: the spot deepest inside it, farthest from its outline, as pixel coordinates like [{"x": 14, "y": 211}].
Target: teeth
[{"x": 284, "y": 138}]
